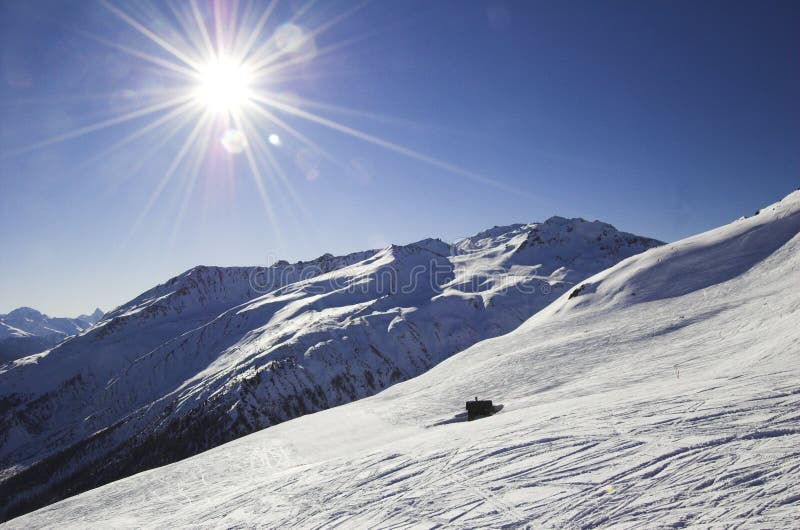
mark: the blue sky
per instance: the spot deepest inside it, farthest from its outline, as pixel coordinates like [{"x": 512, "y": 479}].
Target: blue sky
[{"x": 662, "y": 118}]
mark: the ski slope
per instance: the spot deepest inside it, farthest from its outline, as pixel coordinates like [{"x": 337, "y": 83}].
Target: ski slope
[{"x": 662, "y": 392}]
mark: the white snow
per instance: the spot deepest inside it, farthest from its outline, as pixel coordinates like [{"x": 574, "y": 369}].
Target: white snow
[
  {"x": 7, "y": 330},
  {"x": 217, "y": 353},
  {"x": 665, "y": 394}
]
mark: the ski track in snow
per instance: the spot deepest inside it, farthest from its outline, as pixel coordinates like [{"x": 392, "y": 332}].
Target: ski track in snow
[
  {"x": 573, "y": 481},
  {"x": 663, "y": 412}
]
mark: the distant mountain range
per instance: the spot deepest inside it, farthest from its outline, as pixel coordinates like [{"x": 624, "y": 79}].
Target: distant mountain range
[
  {"x": 217, "y": 353},
  {"x": 24, "y": 331}
]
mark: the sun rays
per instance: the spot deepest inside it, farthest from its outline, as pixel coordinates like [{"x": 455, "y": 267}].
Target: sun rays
[{"x": 228, "y": 67}]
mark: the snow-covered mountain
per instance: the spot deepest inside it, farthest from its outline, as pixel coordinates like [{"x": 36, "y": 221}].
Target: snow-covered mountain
[
  {"x": 217, "y": 353},
  {"x": 24, "y": 331},
  {"x": 660, "y": 393}
]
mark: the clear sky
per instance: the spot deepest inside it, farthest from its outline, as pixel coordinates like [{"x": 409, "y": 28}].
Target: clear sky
[{"x": 389, "y": 123}]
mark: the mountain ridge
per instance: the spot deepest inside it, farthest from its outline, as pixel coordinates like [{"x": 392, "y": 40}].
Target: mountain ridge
[
  {"x": 24, "y": 331},
  {"x": 215, "y": 353}
]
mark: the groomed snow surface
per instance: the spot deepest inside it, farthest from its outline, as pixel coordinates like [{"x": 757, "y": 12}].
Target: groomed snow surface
[{"x": 666, "y": 393}]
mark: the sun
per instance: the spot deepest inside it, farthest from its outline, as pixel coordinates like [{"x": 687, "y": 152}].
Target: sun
[
  {"x": 223, "y": 85},
  {"x": 220, "y": 74}
]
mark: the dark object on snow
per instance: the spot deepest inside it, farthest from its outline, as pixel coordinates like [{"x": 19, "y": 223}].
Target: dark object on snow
[
  {"x": 479, "y": 409},
  {"x": 464, "y": 416},
  {"x": 577, "y": 292}
]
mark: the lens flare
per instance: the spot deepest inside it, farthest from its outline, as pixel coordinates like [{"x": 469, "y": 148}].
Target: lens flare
[
  {"x": 234, "y": 141},
  {"x": 294, "y": 40}
]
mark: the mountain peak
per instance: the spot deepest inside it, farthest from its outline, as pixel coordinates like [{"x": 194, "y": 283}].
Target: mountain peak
[
  {"x": 32, "y": 331},
  {"x": 92, "y": 317},
  {"x": 558, "y": 220},
  {"x": 26, "y": 312}
]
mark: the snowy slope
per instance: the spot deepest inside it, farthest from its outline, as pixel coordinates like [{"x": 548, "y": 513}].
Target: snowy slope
[
  {"x": 664, "y": 393},
  {"x": 217, "y": 353},
  {"x": 24, "y": 331}
]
